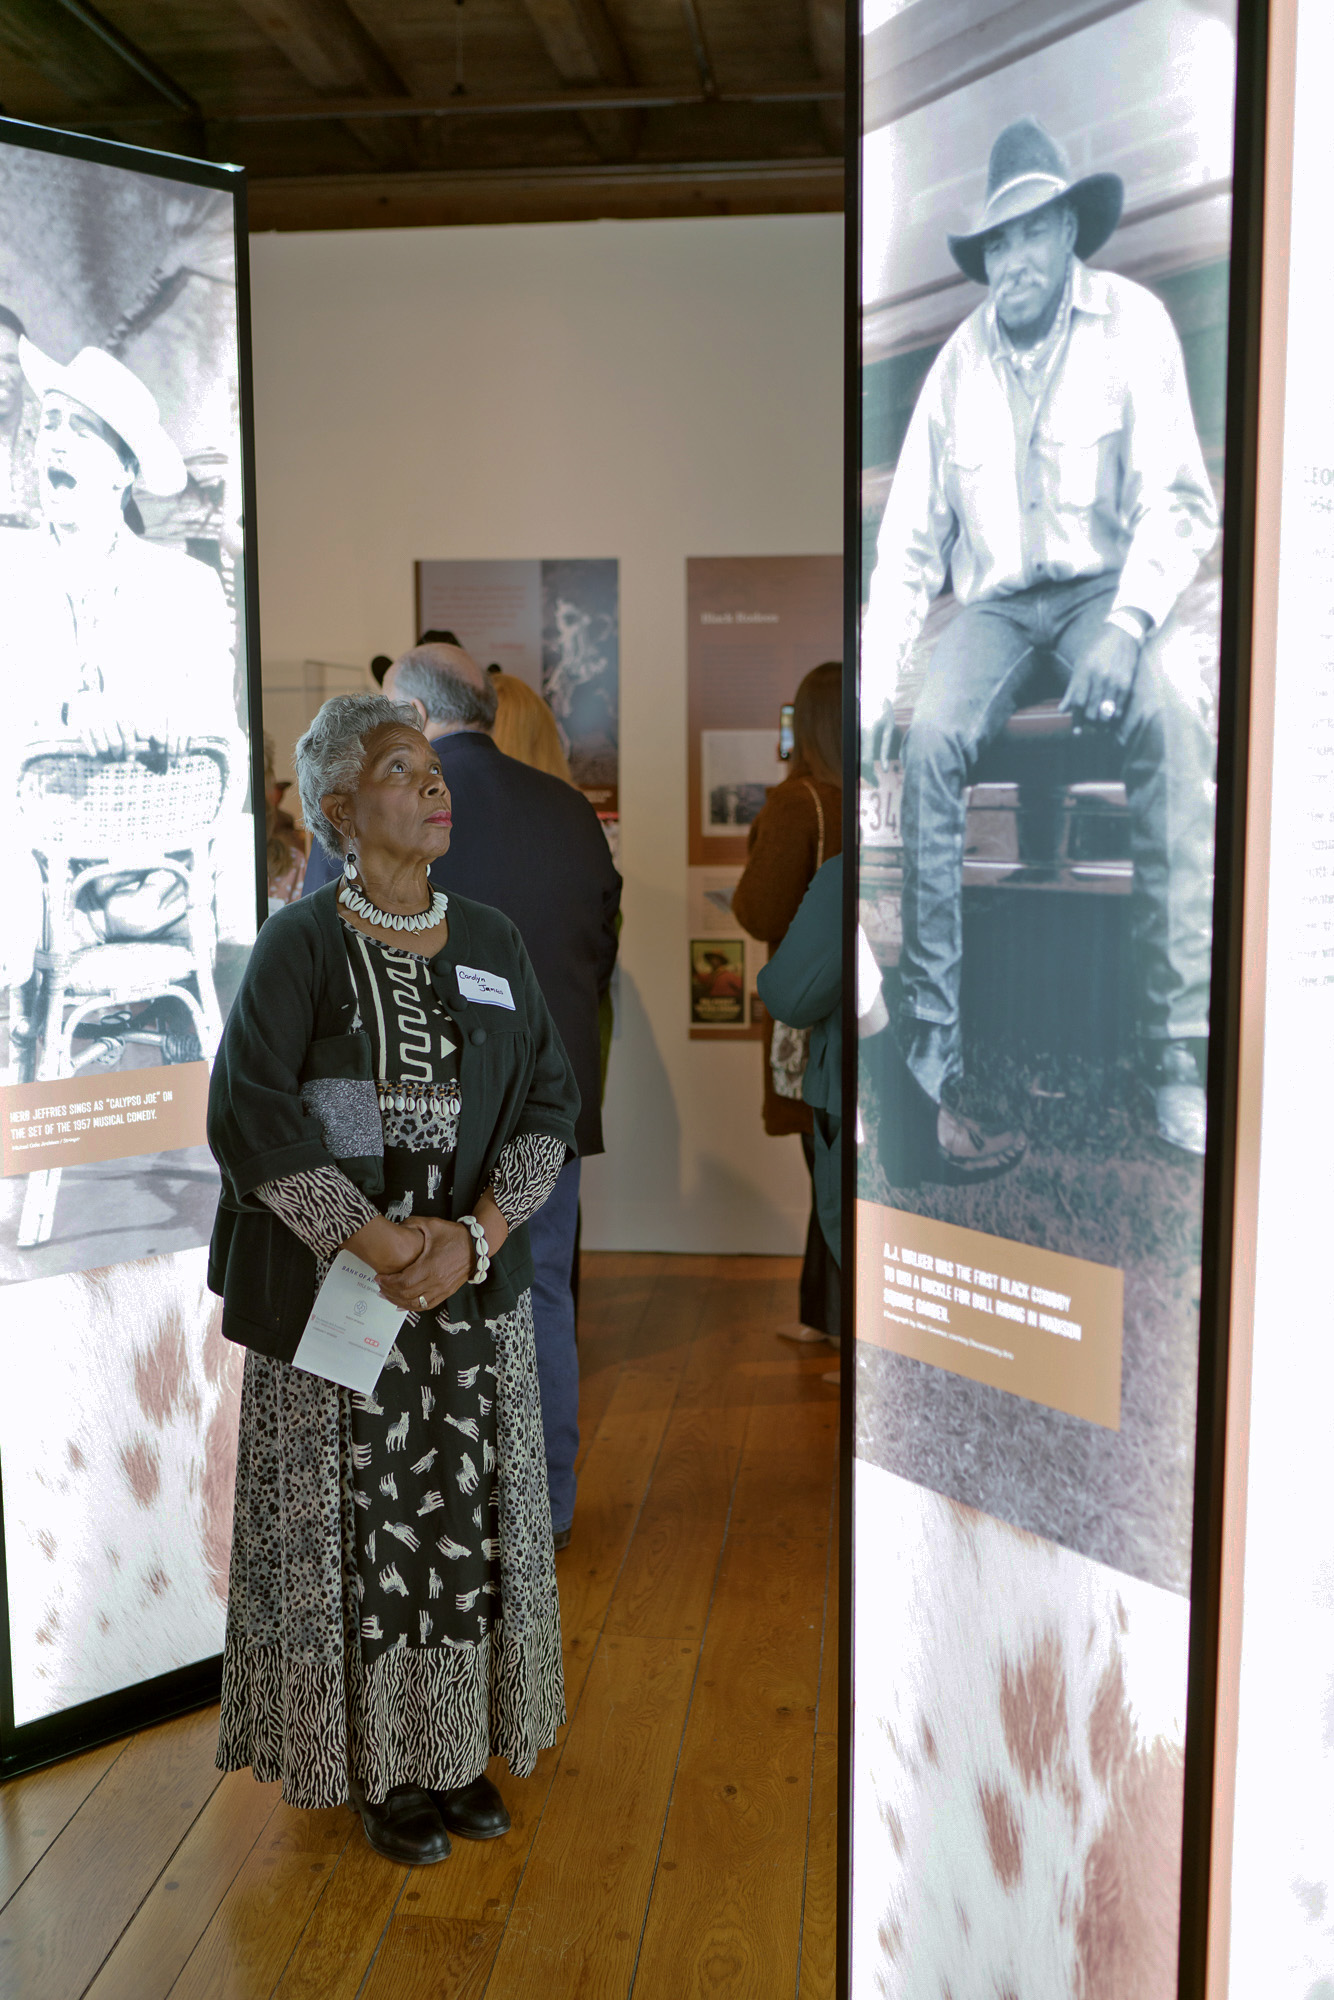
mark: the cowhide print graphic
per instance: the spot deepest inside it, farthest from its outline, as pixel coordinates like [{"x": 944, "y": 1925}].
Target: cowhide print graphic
[
  {"x": 118, "y": 1423},
  {"x": 1018, "y": 1762}
]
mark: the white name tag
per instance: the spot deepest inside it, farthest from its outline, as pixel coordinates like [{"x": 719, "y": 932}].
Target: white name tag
[
  {"x": 487, "y": 987},
  {"x": 351, "y": 1328}
]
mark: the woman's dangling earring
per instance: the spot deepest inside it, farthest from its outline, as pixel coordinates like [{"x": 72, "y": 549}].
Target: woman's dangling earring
[{"x": 350, "y": 867}]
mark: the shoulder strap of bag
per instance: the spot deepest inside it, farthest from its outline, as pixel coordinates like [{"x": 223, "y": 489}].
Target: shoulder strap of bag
[{"x": 819, "y": 821}]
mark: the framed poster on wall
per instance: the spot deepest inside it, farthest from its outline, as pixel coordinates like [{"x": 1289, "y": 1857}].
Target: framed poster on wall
[
  {"x": 127, "y": 624},
  {"x": 555, "y": 626},
  {"x": 755, "y": 626},
  {"x": 1050, "y": 549}
]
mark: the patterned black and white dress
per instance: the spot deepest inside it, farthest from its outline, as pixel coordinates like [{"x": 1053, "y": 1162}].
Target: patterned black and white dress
[{"x": 393, "y": 1603}]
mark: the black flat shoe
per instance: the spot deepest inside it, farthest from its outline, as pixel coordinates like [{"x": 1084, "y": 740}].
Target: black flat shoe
[
  {"x": 473, "y": 1812},
  {"x": 561, "y": 1539},
  {"x": 405, "y": 1827}
]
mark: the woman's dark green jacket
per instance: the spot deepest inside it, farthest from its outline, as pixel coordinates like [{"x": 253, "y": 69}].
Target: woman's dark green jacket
[{"x": 291, "y": 1029}]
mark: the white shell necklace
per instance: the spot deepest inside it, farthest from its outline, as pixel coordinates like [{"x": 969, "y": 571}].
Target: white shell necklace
[{"x": 424, "y": 920}]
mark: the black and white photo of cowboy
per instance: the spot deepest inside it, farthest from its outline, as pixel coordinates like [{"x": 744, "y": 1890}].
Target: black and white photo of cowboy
[{"x": 1053, "y": 478}]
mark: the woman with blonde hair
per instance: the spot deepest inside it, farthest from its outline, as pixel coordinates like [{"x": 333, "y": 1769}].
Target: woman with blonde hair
[{"x": 526, "y": 729}]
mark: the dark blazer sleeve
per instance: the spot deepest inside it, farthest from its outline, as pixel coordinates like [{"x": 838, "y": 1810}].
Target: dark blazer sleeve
[
  {"x": 609, "y": 933},
  {"x": 258, "y": 1128}
]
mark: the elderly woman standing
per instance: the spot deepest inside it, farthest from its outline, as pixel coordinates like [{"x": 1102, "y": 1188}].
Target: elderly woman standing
[{"x": 389, "y": 1082}]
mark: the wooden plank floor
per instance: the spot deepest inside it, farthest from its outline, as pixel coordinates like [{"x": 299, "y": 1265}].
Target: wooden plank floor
[{"x": 679, "y": 1839}]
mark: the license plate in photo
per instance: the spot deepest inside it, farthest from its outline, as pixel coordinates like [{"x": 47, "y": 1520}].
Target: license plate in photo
[{"x": 881, "y": 808}]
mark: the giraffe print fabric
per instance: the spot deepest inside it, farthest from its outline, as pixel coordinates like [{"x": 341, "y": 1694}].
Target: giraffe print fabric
[{"x": 425, "y": 1493}]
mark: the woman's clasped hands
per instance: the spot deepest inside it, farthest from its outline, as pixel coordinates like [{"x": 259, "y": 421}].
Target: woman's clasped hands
[{"x": 441, "y": 1264}]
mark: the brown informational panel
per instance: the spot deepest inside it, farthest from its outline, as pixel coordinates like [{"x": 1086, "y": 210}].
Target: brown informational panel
[
  {"x": 1040, "y": 392},
  {"x": 755, "y": 626},
  {"x": 73, "y": 1123},
  {"x": 1023, "y": 1319}
]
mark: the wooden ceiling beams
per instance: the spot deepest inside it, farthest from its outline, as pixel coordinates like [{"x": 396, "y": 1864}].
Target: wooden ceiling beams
[
  {"x": 631, "y": 97},
  {"x": 129, "y": 54},
  {"x": 86, "y": 58},
  {"x": 567, "y": 194},
  {"x": 351, "y": 113},
  {"x": 330, "y": 47},
  {"x": 827, "y": 25},
  {"x": 585, "y": 49}
]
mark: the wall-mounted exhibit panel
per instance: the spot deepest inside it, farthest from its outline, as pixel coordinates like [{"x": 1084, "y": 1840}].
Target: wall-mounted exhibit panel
[
  {"x": 557, "y": 627},
  {"x": 1044, "y": 246},
  {"x": 755, "y": 626},
  {"x": 125, "y": 610}
]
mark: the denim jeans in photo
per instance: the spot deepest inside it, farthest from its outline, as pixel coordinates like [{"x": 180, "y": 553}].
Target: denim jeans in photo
[{"x": 979, "y": 674}]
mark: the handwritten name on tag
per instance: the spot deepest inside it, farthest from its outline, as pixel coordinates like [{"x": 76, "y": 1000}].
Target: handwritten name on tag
[
  {"x": 488, "y": 987},
  {"x": 351, "y": 1327}
]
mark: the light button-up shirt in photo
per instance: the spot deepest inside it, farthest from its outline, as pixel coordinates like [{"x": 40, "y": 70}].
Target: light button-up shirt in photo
[{"x": 1112, "y": 481}]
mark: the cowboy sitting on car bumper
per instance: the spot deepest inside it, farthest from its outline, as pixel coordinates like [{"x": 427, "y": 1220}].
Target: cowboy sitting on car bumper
[{"x": 1052, "y": 470}]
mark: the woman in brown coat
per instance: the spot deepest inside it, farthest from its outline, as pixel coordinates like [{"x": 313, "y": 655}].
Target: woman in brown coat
[{"x": 800, "y": 828}]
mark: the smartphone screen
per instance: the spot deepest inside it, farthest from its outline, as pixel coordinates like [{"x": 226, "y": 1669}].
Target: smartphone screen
[{"x": 785, "y": 737}]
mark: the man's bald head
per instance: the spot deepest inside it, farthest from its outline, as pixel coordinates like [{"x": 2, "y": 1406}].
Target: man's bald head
[{"x": 446, "y": 684}]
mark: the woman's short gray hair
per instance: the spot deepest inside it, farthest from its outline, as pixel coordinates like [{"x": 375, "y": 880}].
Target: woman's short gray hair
[{"x": 330, "y": 755}]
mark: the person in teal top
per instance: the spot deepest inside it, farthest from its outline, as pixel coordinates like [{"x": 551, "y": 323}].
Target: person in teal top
[{"x": 803, "y": 985}]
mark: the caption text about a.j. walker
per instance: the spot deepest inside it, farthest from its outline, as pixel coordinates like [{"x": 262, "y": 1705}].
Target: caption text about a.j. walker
[{"x": 1021, "y": 1318}]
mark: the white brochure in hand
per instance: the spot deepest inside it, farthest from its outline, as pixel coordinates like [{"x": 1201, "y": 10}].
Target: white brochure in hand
[{"x": 351, "y": 1327}]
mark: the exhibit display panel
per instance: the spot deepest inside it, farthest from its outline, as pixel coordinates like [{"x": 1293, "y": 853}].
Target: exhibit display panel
[
  {"x": 127, "y": 622},
  {"x": 1275, "y": 1890},
  {"x": 1044, "y": 243}
]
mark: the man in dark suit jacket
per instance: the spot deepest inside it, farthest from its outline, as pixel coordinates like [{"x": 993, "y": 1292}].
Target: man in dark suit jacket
[{"x": 532, "y": 846}]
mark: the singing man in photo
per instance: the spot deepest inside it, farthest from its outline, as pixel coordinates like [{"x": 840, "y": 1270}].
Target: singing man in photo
[{"x": 1053, "y": 472}]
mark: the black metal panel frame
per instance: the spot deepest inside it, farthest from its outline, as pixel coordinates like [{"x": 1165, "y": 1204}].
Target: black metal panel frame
[
  {"x": 1241, "y": 441},
  {"x": 24, "y": 1747},
  {"x": 1242, "y": 414},
  {"x": 852, "y": 598}
]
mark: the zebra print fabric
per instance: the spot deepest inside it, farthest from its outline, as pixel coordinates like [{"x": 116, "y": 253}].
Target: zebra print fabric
[
  {"x": 323, "y": 1207},
  {"x": 320, "y": 1206},
  {"x": 526, "y": 1171}
]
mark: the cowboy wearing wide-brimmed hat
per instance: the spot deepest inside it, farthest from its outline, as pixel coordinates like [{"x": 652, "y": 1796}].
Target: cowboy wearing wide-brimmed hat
[
  {"x": 1053, "y": 474},
  {"x": 1028, "y": 172}
]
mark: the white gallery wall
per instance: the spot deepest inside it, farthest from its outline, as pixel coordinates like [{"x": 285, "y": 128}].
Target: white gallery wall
[{"x": 646, "y": 390}]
